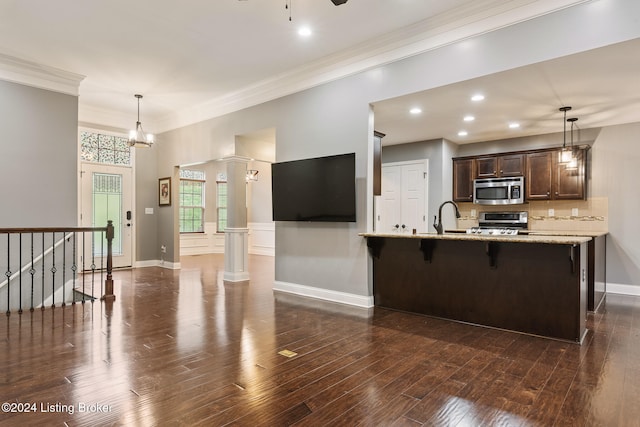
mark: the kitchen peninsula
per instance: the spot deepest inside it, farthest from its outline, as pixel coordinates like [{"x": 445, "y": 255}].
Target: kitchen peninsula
[{"x": 526, "y": 283}]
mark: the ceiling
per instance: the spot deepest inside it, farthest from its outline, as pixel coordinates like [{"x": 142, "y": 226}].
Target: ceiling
[
  {"x": 198, "y": 59},
  {"x": 601, "y": 86}
]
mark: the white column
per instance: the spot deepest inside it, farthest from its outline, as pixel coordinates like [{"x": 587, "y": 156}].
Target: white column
[{"x": 236, "y": 250}]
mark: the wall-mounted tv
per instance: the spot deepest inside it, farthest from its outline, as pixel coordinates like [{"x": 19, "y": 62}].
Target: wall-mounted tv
[{"x": 319, "y": 189}]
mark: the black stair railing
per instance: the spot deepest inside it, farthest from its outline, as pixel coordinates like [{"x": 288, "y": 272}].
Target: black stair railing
[{"x": 52, "y": 266}]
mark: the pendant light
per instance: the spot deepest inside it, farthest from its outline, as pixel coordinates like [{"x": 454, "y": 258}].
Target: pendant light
[
  {"x": 573, "y": 162},
  {"x": 565, "y": 154},
  {"x": 137, "y": 137}
]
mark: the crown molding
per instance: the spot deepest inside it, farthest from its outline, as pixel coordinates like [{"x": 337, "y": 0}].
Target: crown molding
[
  {"x": 29, "y": 73},
  {"x": 460, "y": 24},
  {"x": 105, "y": 117}
]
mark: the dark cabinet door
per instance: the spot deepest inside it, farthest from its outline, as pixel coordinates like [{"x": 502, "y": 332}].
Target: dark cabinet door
[
  {"x": 486, "y": 167},
  {"x": 463, "y": 173},
  {"x": 570, "y": 180},
  {"x": 539, "y": 175},
  {"x": 511, "y": 165}
]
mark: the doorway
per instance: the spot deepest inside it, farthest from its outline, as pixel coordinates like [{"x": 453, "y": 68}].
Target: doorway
[{"x": 106, "y": 194}]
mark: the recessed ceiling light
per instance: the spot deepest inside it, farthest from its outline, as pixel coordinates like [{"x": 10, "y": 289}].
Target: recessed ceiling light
[
  {"x": 514, "y": 125},
  {"x": 415, "y": 110},
  {"x": 469, "y": 118},
  {"x": 463, "y": 133},
  {"x": 304, "y": 31},
  {"x": 477, "y": 97}
]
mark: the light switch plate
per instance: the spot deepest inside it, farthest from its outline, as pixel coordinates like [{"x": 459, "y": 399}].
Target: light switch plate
[
  {"x": 574, "y": 212},
  {"x": 552, "y": 212},
  {"x": 148, "y": 211}
]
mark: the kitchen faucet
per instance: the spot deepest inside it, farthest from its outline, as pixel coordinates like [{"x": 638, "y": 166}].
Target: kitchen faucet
[{"x": 438, "y": 225}]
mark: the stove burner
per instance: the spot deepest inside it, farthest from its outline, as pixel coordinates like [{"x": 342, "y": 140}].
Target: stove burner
[{"x": 503, "y": 231}]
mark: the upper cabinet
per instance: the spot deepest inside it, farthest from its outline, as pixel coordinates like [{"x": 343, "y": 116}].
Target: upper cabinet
[
  {"x": 499, "y": 166},
  {"x": 549, "y": 179},
  {"x": 511, "y": 165},
  {"x": 463, "y": 173},
  {"x": 546, "y": 178},
  {"x": 539, "y": 177}
]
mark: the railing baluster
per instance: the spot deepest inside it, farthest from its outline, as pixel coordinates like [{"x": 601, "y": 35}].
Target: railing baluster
[
  {"x": 74, "y": 267},
  {"x": 20, "y": 273},
  {"x": 42, "y": 295},
  {"x": 32, "y": 271},
  {"x": 102, "y": 236},
  {"x": 84, "y": 268},
  {"x": 64, "y": 268},
  {"x": 8, "y": 274},
  {"x": 93, "y": 261},
  {"x": 53, "y": 270}
]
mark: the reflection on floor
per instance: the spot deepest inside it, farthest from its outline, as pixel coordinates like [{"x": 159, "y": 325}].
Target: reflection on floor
[{"x": 183, "y": 348}]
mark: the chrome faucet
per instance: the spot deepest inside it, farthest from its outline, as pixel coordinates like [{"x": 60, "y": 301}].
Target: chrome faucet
[{"x": 438, "y": 225}]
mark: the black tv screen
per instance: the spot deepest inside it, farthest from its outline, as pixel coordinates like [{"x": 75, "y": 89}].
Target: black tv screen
[{"x": 318, "y": 189}]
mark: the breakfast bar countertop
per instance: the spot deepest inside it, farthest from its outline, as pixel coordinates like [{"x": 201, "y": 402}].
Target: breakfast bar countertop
[{"x": 518, "y": 238}]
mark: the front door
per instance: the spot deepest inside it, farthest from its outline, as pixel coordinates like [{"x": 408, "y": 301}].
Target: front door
[{"x": 106, "y": 194}]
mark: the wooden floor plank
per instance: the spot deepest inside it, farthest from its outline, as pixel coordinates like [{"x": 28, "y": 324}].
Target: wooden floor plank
[{"x": 182, "y": 347}]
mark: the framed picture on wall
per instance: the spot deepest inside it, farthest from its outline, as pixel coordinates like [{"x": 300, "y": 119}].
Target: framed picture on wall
[{"x": 164, "y": 191}]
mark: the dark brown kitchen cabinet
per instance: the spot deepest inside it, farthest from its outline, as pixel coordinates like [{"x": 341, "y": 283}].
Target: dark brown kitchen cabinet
[
  {"x": 499, "y": 166},
  {"x": 570, "y": 181},
  {"x": 463, "y": 174},
  {"x": 548, "y": 179},
  {"x": 511, "y": 165},
  {"x": 486, "y": 167},
  {"x": 539, "y": 176}
]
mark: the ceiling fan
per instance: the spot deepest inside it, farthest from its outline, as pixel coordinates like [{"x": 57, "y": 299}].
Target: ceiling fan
[{"x": 335, "y": 2}]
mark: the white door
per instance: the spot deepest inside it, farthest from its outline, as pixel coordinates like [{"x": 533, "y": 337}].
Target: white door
[
  {"x": 404, "y": 198},
  {"x": 390, "y": 216},
  {"x": 106, "y": 194}
]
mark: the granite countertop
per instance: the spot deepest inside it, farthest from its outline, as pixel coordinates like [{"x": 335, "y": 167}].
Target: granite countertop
[
  {"x": 518, "y": 238},
  {"x": 567, "y": 233},
  {"x": 580, "y": 233}
]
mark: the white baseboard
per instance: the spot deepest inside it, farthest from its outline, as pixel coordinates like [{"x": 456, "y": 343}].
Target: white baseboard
[
  {"x": 617, "y": 288},
  {"x": 324, "y": 294},
  {"x": 230, "y": 276},
  {"x": 158, "y": 263}
]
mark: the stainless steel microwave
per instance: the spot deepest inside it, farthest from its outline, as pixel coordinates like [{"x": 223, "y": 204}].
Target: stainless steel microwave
[{"x": 499, "y": 191}]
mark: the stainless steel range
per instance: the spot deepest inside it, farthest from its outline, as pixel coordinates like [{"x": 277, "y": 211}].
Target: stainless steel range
[{"x": 500, "y": 223}]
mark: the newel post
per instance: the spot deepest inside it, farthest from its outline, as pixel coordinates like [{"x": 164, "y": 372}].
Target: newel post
[{"x": 108, "y": 283}]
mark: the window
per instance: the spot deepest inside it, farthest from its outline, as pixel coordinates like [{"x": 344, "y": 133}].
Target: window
[
  {"x": 191, "y": 201},
  {"x": 108, "y": 149},
  {"x": 221, "y": 205}
]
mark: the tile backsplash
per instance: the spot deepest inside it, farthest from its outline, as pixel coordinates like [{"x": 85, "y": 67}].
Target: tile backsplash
[{"x": 549, "y": 215}]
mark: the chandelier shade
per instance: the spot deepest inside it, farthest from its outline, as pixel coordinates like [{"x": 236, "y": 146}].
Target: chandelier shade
[{"x": 137, "y": 137}]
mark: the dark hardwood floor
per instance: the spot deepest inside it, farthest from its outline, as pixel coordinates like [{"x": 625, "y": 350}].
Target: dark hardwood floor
[{"x": 185, "y": 348}]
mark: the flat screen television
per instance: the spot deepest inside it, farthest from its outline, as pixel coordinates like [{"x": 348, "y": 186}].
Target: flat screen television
[{"x": 320, "y": 189}]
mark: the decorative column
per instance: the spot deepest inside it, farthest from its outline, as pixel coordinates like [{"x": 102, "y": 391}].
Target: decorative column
[{"x": 236, "y": 250}]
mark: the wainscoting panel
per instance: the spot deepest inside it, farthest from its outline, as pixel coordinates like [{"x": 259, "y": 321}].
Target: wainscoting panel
[{"x": 261, "y": 240}]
